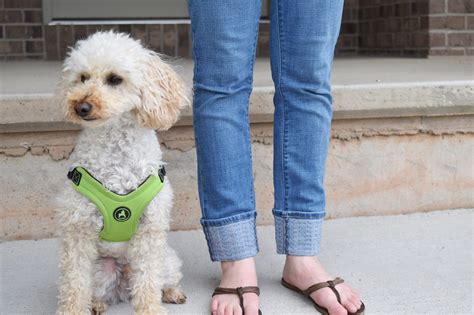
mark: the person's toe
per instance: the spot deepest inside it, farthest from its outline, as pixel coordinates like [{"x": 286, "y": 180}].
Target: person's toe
[
  {"x": 251, "y": 310},
  {"x": 237, "y": 310},
  {"x": 229, "y": 310},
  {"x": 328, "y": 300},
  {"x": 221, "y": 309},
  {"x": 336, "y": 309},
  {"x": 214, "y": 305},
  {"x": 350, "y": 307},
  {"x": 356, "y": 301}
]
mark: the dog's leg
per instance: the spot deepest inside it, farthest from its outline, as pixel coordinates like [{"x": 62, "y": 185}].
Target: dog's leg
[
  {"x": 146, "y": 262},
  {"x": 172, "y": 292},
  {"x": 78, "y": 253},
  {"x": 106, "y": 278}
]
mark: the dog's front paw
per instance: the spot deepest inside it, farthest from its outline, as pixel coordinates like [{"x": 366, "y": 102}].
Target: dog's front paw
[
  {"x": 173, "y": 295},
  {"x": 98, "y": 307}
]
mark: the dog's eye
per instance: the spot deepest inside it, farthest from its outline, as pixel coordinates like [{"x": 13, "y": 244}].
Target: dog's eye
[
  {"x": 84, "y": 78},
  {"x": 114, "y": 79}
]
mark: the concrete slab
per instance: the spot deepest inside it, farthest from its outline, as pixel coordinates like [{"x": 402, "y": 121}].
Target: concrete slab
[{"x": 406, "y": 264}]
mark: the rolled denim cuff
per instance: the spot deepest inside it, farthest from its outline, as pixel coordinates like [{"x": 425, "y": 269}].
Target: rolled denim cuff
[
  {"x": 231, "y": 238},
  {"x": 298, "y": 233}
]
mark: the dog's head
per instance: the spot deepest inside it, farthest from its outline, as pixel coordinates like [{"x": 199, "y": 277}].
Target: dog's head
[{"x": 109, "y": 74}]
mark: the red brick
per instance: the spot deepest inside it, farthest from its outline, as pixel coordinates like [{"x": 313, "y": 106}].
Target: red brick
[
  {"x": 455, "y": 22},
  {"x": 11, "y": 47},
  {"x": 79, "y": 32},
  {"x": 401, "y": 40},
  {"x": 384, "y": 40},
  {"x": 33, "y": 16},
  {"x": 437, "y": 22},
  {"x": 437, "y": 6},
  {"x": 437, "y": 39},
  {"x": 394, "y": 25},
  {"x": 470, "y": 22},
  {"x": 169, "y": 40},
  {"x": 11, "y": 16},
  {"x": 65, "y": 40},
  {"x": 125, "y": 28},
  {"x": 15, "y": 32},
  {"x": 411, "y": 24},
  {"x": 34, "y": 31},
  {"x": 419, "y": 8},
  {"x": 346, "y": 27},
  {"x": 33, "y": 47},
  {"x": 460, "y": 6},
  {"x": 24, "y": 4},
  {"x": 184, "y": 47},
  {"x": 139, "y": 32},
  {"x": 154, "y": 37},
  {"x": 51, "y": 42},
  {"x": 460, "y": 39},
  {"x": 420, "y": 39},
  {"x": 346, "y": 14}
]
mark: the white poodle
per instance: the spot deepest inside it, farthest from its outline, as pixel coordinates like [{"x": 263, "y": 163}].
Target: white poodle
[{"x": 120, "y": 93}]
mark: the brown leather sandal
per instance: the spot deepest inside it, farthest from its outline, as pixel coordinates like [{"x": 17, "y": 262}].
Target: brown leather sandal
[
  {"x": 328, "y": 284},
  {"x": 240, "y": 291}
]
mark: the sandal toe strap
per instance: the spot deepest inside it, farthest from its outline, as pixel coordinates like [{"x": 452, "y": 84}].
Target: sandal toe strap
[
  {"x": 240, "y": 291},
  {"x": 331, "y": 284}
]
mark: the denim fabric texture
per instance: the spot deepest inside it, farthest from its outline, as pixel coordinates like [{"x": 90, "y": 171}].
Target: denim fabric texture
[{"x": 303, "y": 35}]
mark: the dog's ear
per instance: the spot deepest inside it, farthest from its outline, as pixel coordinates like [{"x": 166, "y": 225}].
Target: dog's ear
[{"x": 163, "y": 95}]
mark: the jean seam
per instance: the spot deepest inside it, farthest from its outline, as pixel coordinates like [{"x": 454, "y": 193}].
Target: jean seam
[
  {"x": 249, "y": 146},
  {"x": 284, "y": 109},
  {"x": 195, "y": 71}
]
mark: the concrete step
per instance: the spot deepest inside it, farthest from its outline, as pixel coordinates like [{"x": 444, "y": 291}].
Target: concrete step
[
  {"x": 406, "y": 264},
  {"x": 402, "y": 142}
]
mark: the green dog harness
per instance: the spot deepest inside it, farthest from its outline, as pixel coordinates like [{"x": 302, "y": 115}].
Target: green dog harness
[{"x": 121, "y": 213}]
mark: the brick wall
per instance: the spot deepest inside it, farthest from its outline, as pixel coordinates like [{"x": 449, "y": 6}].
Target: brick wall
[
  {"x": 374, "y": 27},
  {"x": 393, "y": 27},
  {"x": 451, "y": 27}
]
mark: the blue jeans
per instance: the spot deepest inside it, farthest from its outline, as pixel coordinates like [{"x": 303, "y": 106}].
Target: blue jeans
[{"x": 303, "y": 35}]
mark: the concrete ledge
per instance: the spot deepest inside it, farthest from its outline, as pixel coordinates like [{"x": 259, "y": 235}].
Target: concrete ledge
[{"x": 41, "y": 112}]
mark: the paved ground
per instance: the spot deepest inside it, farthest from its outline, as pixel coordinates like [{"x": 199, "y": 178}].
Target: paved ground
[
  {"x": 408, "y": 264},
  {"x": 39, "y": 77}
]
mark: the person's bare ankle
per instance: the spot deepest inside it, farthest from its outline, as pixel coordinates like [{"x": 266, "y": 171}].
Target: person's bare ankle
[
  {"x": 239, "y": 273},
  {"x": 300, "y": 268}
]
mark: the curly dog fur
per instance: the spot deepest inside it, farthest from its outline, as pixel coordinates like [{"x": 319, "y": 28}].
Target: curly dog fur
[{"x": 130, "y": 92}]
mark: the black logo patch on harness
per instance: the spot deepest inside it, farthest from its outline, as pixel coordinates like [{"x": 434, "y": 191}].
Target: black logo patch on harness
[
  {"x": 75, "y": 176},
  {"x": 122, "y": 214}
]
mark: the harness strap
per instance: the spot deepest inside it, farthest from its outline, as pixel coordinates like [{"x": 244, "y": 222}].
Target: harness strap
[{"x": 121, "y": 213}]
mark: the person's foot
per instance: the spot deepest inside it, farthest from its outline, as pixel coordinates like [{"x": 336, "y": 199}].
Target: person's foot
[
  {"x": 304, "y": 271},
  {"x": 240, "y": 273}
]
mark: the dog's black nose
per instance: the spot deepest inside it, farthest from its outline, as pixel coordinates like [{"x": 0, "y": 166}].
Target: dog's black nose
[{"x": 83, "y": 109}]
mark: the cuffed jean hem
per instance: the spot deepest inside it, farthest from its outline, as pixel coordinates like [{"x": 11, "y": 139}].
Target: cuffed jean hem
[
  {"x": 231, "y": 238},
  {"x": 298, "y": 233}
]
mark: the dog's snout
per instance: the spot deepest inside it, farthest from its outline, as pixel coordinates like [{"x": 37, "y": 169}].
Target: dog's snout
[{"x": 83, "y": 109}]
